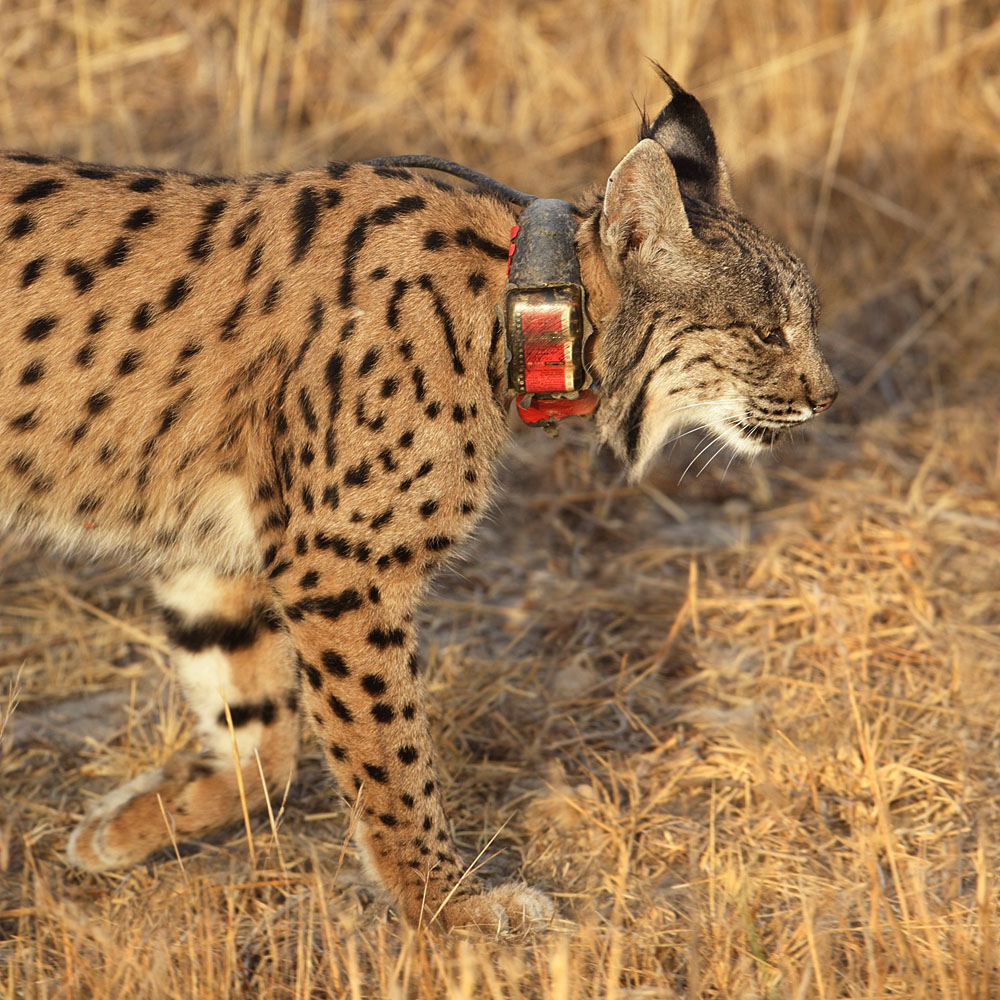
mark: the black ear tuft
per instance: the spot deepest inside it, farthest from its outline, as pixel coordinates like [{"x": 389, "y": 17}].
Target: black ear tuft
[{"x": 682, "y": 128}]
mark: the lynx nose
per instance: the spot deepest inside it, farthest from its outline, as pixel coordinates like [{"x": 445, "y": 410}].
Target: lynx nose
[{"x": 824, "y": 402}]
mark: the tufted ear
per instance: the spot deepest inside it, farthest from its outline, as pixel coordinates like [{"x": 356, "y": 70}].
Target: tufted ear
[
  {"x": 642, "y": 202},
  {"x": 682, "y": 128}
]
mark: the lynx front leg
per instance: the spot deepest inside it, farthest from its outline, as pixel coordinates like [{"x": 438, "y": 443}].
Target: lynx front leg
[
  {"x": 363, "y": 693},
  {"x": 231, "y": 654}
]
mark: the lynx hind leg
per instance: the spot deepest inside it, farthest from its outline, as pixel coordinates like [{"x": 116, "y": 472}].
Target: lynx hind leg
[{"x": 228, "y": 650}]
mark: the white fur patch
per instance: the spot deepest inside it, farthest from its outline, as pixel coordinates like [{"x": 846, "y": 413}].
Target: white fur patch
[
  {"x": 664, "y": 417},
  {"x": 232, "y": 545},
  {"x": 208, "y": 684},
  {"x": 192, "y": 593}
]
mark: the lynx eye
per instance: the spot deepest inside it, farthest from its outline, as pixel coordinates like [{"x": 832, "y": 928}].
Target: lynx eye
[{"x": 773, "y": 336}]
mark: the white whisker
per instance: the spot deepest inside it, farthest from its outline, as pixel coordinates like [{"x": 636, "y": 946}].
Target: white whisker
[
  {"x": 698, "y": 454},
  {"x": 732, "y": 458},
  {"x": 692, "y": 430},
  {"x": 711, "y": 458}
]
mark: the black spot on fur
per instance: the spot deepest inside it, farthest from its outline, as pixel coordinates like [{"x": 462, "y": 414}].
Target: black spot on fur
[
  {"x": 116, "y": 253},
  {"x": 37, "y": 190},
  {"x": 340, "y": 709},
  {"x": 209, "y": 632},
  {"x": 178, "y": 291},
  {"x": 381, "y": 712},
  {"x": 314, "y": 677},
  {"x": 377, "y": 773},
  {"x": 212, "y": 211},
  {"x": 373, "y": 685},
  {"x": 382, "y": 519},
  {"x": 334, "y": 665},
  {"x": 83, "y": 276},
  {"x": 27, "y": 421},
  {"x": 129, "y": 362},
  {"x": 253, "y": 264},
  {"x": 358, "y": 474},
  {"x": 633, "y": 419},
  {"x": 243, "y": 229},
  {"x": 352, "y": 247},
  {"x": 21, "y": 226},
  {"x": 382, "y": 638},
  {"x": 33, "y": 372},
  {"x": 435, "y": 240},
  {"x": 144, "y": 184},
  {"x": 306, "y": 214},
  {"x": 97, "y": 322},
  {"x": 247, "y": 712},
  {"x": 335, "y": 606},
  {"x": 32, "y": 271},
  {"x": 201, "y": 246},
  {"x": 141, "y": 218},
  {"x": 392, "y": 311},
  {"x": 369, "y": 361},
  {"x": 40, "y": 328},
  {"x": 446, "y": 323},
  {"x": 230, "y": 325},
  {"x": 142, "y": 318},
  {"x": 308, "y": 413},
  {"x": 271, "y": 296},
  {"x": 418, "y": 384},
  {"x": 470, "y": 238},
  {"x": 316, "y": 314},
  {"x": 94, "y": 173}
]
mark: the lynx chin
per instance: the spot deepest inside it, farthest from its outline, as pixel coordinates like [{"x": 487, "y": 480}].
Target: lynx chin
[{"x": 283, "y": 396}]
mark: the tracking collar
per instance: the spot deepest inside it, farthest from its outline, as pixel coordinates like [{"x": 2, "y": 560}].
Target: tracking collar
[
  {"x": 543, "y": 315},
  {"x": 543, "y": 307}
]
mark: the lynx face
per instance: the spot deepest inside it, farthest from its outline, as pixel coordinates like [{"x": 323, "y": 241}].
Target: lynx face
[{"x": 715, "y": 323}]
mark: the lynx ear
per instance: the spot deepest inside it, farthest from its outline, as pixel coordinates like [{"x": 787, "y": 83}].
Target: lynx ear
[
  {"x": 642, "y": 202},
  {"x": 682, "y": 128}
]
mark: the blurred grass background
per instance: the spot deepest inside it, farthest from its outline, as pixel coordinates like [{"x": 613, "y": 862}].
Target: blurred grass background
[{"x": 746, "y": 726}]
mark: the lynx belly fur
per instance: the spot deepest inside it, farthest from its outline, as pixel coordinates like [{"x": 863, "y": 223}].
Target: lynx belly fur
[{"x": 283, "y": 397}]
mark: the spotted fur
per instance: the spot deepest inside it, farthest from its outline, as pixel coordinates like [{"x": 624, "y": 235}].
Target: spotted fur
[{"x": 283, "y": 398}]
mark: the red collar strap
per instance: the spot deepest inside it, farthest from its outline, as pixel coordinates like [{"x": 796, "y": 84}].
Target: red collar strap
[{"x": 544, "y": 317}]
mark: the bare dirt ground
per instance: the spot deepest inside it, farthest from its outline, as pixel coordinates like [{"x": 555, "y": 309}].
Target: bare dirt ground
[{"x": 744, "y": 723}]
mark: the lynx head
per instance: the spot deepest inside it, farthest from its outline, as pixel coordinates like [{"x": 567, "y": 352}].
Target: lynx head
[{"x": 704, "y": 320}]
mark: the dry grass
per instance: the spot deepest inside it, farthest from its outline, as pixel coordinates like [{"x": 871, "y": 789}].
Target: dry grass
[{"x": 744, "y": 728}]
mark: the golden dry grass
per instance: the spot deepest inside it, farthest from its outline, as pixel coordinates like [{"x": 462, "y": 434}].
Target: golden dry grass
[{"x": 746, "y": 727}]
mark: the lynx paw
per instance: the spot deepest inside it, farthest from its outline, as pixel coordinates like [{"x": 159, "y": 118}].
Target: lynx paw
[
  {"x": 102, "y": 840},
  {"x": 509, "y": 909},
  {"x": 188, "y": 797}
]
